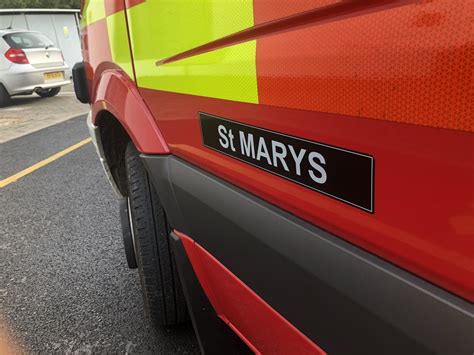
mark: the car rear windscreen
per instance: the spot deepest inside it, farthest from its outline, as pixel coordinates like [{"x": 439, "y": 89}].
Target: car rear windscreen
[{"x": 25, "y": 40}]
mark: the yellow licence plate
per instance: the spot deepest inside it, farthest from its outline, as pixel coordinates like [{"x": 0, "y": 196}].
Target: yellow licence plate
[{"x": 54, "y": 76}]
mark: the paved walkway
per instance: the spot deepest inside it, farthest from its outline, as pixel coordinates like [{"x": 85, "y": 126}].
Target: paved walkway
[{"x": 31, "y": 113}]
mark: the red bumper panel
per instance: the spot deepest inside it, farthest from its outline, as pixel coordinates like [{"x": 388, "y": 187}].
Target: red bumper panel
[{"x": 263, "y": 329}]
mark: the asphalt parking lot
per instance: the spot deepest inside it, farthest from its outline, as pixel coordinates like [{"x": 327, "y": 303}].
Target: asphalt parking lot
[{"x": 64, "y": 282}]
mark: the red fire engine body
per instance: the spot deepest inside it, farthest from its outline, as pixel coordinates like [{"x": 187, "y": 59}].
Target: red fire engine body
[{"x": 298, "y": 172}]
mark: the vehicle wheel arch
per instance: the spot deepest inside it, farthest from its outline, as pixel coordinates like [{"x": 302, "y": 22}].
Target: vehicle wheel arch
[
  {"x": 114, "y": 139},
  {"x": 122, "y": 116}
]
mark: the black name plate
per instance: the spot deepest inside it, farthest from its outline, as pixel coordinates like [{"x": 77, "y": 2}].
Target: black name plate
[{"x": 342, "y": 174}]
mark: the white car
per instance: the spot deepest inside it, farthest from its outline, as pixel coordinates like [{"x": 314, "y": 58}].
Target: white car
[{"x": 30, "y": 62}]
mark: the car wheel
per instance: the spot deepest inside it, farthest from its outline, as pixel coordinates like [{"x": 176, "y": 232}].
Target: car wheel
[
  {"x": 49, "y": 92},
  {"x": 4, "y": 96},
  {"x": 161, "y": 287}
]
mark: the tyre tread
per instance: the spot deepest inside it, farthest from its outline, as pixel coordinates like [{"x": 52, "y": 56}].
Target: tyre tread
[{"x": 163, "y": 295}]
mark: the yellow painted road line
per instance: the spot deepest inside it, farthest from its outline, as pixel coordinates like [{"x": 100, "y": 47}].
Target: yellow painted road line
[{"x": 42, "y": 163}]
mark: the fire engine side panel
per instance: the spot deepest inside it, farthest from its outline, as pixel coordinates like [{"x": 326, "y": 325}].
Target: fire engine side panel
[
  {"x": 415, "y": 222},
  {"x": 344, "y": 299},
  {"x": 393, "y": 82},
  {"x": 110, "y": 73},
  {"x": 389, "y": 79}
]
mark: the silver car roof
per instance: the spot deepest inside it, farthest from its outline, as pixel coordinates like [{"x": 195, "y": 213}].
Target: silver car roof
[{"x": 14, "y": 30}]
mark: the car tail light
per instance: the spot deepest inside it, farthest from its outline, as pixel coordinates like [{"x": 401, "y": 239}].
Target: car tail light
[{"x": 17, "y": 56}]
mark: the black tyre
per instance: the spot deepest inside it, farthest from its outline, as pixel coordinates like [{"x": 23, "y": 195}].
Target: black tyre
[
  {"x": 162, "y": 291},
  {"x": 49, "y": 92},
  {"x": 127, "y": 233},
  {"x": 4, "y": 96}
]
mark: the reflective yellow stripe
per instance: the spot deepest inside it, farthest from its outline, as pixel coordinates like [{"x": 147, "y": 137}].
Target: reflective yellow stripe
[
  {"x": 118, "y": 39},
  {"x": 162, "y": 28},
  {"x": 94, "y": 10}
]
